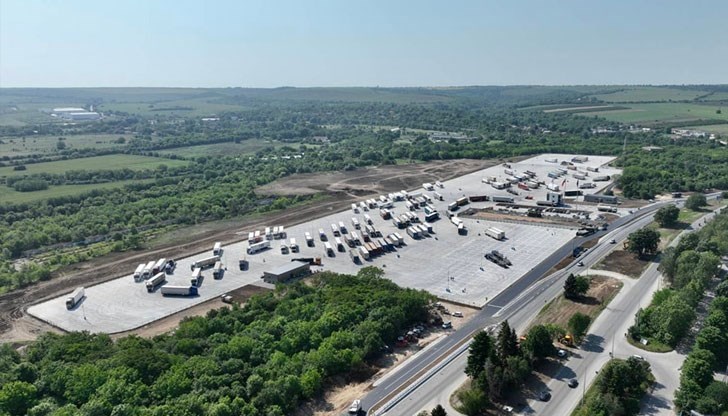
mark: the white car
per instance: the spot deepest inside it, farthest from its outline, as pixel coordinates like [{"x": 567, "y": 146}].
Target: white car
[
  {"x": 355, "y": 407},
  {"x": 561, "y": 353},
  {"x": 612, "y": 241},
  {"x": 457, "y": 314}
]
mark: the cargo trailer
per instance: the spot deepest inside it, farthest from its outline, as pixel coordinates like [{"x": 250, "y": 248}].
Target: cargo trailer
[
  {"x": 354, "y": 254},
  {"x": 496, "y": 233},
  {"x": 159, "y": 266},
  {"x": 75, "y": 297},
  {"x": 147, "y": 272},
  {"x": 138, "y": 272},
  {"x": 168, "y": 290},
  {"x": 258, "y": 247},
  {"x": 155, "y": 281},
  {"x": 210, "y": 261},
  {"x": 500, "y": 198},
  {"x": 196, "y": 278},
  {"x": 217, "y": 249}
]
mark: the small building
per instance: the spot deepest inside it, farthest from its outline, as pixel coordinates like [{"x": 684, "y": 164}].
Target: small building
[
  {"x": 601, "y": 199},
  {"x": 287, "y": 271}
]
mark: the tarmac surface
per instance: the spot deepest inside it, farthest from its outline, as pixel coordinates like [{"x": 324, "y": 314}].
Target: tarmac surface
[{"x": 449, "y": 265}]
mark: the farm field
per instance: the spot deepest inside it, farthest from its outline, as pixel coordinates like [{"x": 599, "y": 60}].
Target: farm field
[
  {"x": 721, "y": 129},
  {"x": 14, "y": 146},
  {"x": 641, "y": 94},
  {"x": 10, "y": 195},
  {"x": 662, "y": 113},
  {"x": 191, "y": 107},
  {"x": 230, "y": 148},
  {"x": 109, "y": 162}
]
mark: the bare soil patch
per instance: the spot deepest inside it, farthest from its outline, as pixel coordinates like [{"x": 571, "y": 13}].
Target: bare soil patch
[
  {"x": 188, "y": 241},
  {"x": 601, "y": 290},
  {"x": 622, "y": 261}
]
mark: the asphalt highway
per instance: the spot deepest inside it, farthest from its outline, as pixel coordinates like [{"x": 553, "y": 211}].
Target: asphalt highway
[{"x": 382, "y": 398}]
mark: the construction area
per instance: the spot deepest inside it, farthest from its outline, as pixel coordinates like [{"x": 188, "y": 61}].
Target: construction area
[{"x": 432, "y": 237}]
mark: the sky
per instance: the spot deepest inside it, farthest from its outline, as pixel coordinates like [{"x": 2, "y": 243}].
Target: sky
[{"x": 221, "y": 43}]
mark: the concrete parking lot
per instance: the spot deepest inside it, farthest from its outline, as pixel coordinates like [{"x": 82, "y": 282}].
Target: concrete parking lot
[{"x": 446, "y": 264}]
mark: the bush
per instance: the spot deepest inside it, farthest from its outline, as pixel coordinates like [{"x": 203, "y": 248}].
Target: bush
[{"x": 30, "y": 185}]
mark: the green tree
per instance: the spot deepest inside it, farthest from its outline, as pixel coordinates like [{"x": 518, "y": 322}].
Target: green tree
[
  {"x": 578, "y": 324},
  {"x": 17, "y": 397},
  {"x": 644, "y": 241},
  {"x": 507, "y": 341},
  {"x": 472, "y": 401},
  {"x": 480, "y": 349},
  {"x": 438, "y": 411},
  {"x": 575, "y": 286},
  {"x": 538, "y": 343},
  {"x": 667, "y": 216},
  {"x": 695, "y": 202}
]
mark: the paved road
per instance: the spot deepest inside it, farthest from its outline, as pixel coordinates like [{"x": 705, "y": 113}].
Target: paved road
[
  {"x": 518, "y": 300},
  {"x": 607, "y": 335}
]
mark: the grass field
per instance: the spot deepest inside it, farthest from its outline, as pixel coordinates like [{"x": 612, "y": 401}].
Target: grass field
[
  {"x": 662, "y": 113},
  {"x": 221, "y": 149},
  {"x": 186, "y": 108},
  {"x": 12, "y": 196},
  {"x": 14, "y": 146},
  {"x": 110, "y": 162},
  {"x": 721, "y": 129},
  {"x": 640, "y": 94}
]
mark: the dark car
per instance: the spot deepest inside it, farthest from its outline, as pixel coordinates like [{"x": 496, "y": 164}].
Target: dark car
[
  {"x": 573, "y": 383},
  {"x": 544, "y": 396}
]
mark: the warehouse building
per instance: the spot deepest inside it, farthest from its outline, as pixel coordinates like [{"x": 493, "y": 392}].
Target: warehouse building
[
  {"x": 287, "y": 271},
  {"x": 601, "y": 199}
]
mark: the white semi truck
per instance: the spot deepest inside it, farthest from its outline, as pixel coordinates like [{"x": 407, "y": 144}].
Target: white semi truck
[
  {"x": 168, "y": 290},
  {"x": 496, "y": 233},
  {"x": 210, "y": 261},
  {"x": 258, "y": 247},
  {"x": 217, "y": 250},
  {"x": 155, "y": 281},
  {"x": 75, "y": 297},
  {"x": 138, "y": 272}
]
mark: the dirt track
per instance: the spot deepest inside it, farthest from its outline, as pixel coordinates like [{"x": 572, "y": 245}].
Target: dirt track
[{"x": 341, "y": 188}]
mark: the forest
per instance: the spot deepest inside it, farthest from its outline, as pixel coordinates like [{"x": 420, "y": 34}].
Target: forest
[{"x": 264, "y": 358}]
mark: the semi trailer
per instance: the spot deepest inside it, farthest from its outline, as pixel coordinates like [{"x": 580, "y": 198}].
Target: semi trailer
[
  {"x": 168, "y": 290},
  {"x": 155, "y": 281},
  {"x": 75, "y": 297}
]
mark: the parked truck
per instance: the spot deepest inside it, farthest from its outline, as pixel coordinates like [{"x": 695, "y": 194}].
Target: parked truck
[
  {"x": 339, "y": 244},
  {"x": 499, "y": 198},
  {"x": 478, "y": 198},
  {"x": 196, "y": 278},
  {"x": 355, "y": 223},
  {"x": 322, "y": 235},
  {"x": 138, "y": 272},
  {"x": 329, "y": 249},
  {"x": 364, "y": 253},
  {"x": 258, "y": 247},
  {"x": 293, "y": 245},
  {"x": 147, "y": 272},
  {"x": 342, "y": 227},
  {"x": 496, "y": 233},
  {"x": 218, "y": 270},
  {"x": 309, "y": 239},
  {"x": 217, "y": 249},
  {"x": 168, "y": 290},
  {"x": 210, "y": 261},
  {"x": 155, "y": 281},
  {"x": 159, "y": 266},
  {"x": 354, "y": 254},
  {"x": 385, "y": 214},
  {"x": 75, "y": 297}
]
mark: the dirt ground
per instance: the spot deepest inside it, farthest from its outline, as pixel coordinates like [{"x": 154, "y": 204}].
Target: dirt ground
[
  {"x": 340, "y": 189},
  {"x": 622, "y": 261},
  {"x": 340, "y": 395},
  {"x": 601, "y": 289}
]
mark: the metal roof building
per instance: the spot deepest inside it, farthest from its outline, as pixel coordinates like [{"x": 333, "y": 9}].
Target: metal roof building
[{"x": 287, "y": 271}]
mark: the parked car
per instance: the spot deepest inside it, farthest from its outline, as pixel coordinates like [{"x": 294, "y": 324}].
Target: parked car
[
  {"x": 612, "y": 241},
  {"x": 573, "y": 383},
  {"x": 580, "y": 264},
  {"x": 544, "y": 396},
  {"x": 457, "y": 314},
  {"x": 355, "y": 407},
  {"x": 561, "y": 353},
  {"x": 447, "y": 325}
]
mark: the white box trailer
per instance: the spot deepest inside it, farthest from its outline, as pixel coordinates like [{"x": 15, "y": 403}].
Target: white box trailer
[
  {"x": 168, "y": 290},
  {"x": 412, "y": 232},
  {"x": 329, "y": 249},
  {"x": 339, "y": 244},
  {"x": 268, "y": 233},
  {"x": 354, "y": 208},
  {"x": 363, "y": 206},
  {"x": 159, "y": 266},
  {"x": 428, "y": 186},
  {"x": 155, "y": 281},
  {"x": 354, "y": 254},
  {"x": 355, "y": 223},
  {"x": 147, "y": 273},
  {"x": 196, "y": 276},
  {"x": 75, "y": 297},
  {"x": 364, "y": 253},
  {"x": 210, "y": 261},
  {"x": 258, "y": 247},
  {"x": 138, "y": 272},
  {"x": 439, "y": 184},
  {"x": 355, "y": 237},
  {"x": 218, "y": 270},
  {"x": 438, "y": 196},
  {"x": 217, "y": 249},
  {"x": 281, "y": 232},
  {"x": 294, "y": 245},
  {"x": 496, "y": 233},
  {"x": 368, "y": 219},
  {"x": 553, "y": 187}
]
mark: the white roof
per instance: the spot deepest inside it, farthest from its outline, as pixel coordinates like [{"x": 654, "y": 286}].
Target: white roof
[{"x": 68, "y": 109}]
